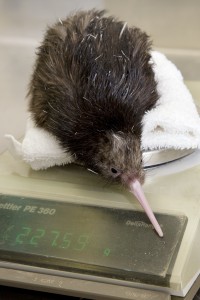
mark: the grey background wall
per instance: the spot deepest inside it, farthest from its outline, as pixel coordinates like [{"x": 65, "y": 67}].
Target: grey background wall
[
  {"x": 171, "y": 23},
  {"x": 174, "y": 26}
]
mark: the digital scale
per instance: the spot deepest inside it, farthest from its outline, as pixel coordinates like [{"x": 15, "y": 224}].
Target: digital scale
[{"x": 66, "y": 231}]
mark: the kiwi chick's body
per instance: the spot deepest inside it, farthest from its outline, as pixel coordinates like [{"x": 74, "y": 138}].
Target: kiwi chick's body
[{"x": 91, "y": 86}]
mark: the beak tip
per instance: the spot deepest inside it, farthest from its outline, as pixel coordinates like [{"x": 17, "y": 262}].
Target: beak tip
[
  {"x": 136, "y": 189},
  {"x": 159, "y": 231}
]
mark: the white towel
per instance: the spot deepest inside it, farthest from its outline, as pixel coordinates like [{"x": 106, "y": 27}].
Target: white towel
[
  {"x": 173, "y": 123},
  {"x": 39, "y": 148}
]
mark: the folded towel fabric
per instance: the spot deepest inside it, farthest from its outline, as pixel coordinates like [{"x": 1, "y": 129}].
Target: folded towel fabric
[
  {"x": 39, "y": 148},
  {"x": 173, "y": 124}
]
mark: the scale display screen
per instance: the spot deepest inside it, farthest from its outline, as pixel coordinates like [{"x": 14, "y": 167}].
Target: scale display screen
[{"x": 87, "y": 239}]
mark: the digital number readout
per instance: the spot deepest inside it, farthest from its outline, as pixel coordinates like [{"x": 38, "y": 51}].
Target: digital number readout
[
  {"x": 37, "y": 239},
  {"x": 37, "y": 236}
]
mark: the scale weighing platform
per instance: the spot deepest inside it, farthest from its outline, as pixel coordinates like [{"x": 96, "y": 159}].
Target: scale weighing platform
[{"x": 66, "y": 231}]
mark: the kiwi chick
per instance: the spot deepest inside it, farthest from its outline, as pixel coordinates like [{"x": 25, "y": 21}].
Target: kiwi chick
[{"x": 91, "y": 86}]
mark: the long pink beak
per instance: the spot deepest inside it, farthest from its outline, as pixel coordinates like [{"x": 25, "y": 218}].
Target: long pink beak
[{"x": 136, "y": 189}]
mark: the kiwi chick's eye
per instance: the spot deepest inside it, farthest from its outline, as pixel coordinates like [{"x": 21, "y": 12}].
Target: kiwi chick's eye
[{"x": 115, "y": 172}]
